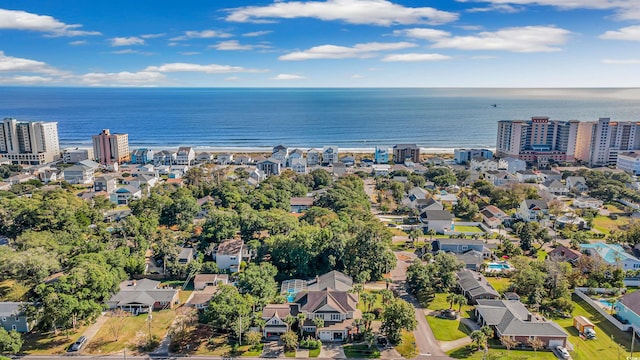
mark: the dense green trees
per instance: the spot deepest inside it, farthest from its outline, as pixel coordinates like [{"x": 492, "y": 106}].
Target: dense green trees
[
  {"x": 258, "y": 281},
  {"x": 10, "y": 341},
  {"x": 398, "y": 315}
]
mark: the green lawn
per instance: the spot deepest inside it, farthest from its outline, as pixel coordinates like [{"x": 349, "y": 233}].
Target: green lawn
[
  {"x": 376, "y": 304},
  {"x": 604, "y": 224},
  {"x": 447, "y": 330},
  {"x": 541, "y": 255},
  {"x": 499, "y": 283},
  {"x": 407, "y": 347},
  {"x": 252, "y": 351},
  {"x": 469, "y": 352},
  {"x": 49, "y": 343},
  {"x": 467, "y": 228},
  {"x": 440, "y": 302},
  {"x": 602, "y": 348},
  {"x": 361, "y": 351}
]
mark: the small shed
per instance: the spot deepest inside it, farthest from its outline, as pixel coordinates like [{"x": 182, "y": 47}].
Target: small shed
[{"x": 582, "y": 323}]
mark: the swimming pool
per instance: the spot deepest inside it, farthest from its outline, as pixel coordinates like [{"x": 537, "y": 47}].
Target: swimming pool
[
  {"x": 498, "y": 266},
  {"x": 606, "y": 303}
]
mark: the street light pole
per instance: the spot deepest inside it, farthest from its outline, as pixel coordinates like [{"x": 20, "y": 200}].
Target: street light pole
[{"x": 149, "y": 319}]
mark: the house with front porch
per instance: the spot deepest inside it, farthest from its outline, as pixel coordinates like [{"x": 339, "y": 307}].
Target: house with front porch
[
  {"x": 511, "y": 318},
  {"x": 141, "y": 296}
]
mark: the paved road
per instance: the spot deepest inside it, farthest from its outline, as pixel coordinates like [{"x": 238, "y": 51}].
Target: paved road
[{"x": 425, "y": 341}]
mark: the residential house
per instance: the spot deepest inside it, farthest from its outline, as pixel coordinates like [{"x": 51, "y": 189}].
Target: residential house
[
  {"x": 439, "y": 220},
  {"x": 329, "y": 155},
  {"x": 532, "y": 210},
  {"x": 142, "y": 156},
  {"x": 201, "y": 281},
  {"x": 281, "y": 156},
  {"x": 279, "y": 148},
  {"x": 527, "y": 176},
  {"x": 565, "y": 254},
  {"x": 204, "y": 157},
  {"x": 200, "y": 299},
  {"x": 461, "y": 246},
  {"x": 13, "y": 317},
  {"x": 462, "y": 156},
  {"x": 49, "y": 175},
  {"x": 366, "y": 163},
  {"x": 381, "y": 155},
  {"x": 587, "y": 203},
  {"x": 123, "y": 195},
  {"x": 229, "y": 255},
  {"x": 300, "y": 204},
  {"x": 414, "y": 195},
  {"x": 178, "y": 171},
  {"x": 499, "y": 178},
  {"x": 296, "y": 154},
  {"x": 144, "y": 182},
  {"x": 185, "y": 156},
  {"x": 73, "y": 156},
  {"x": 224, "y": 159},
  {"x": 337, "y": 308},
  {"x": 256, "y": 176},
  {"x": 299, "y": 166},
  {"x": 472, "y": 260},
  {"x": 514, "y": 165},
  {"x": 493, "y": 217},
  {"x": 628, "y": 308},
  {"x": 106, "y": 183},
  {"x": 577, "y": 183},
  {"x": 141, "y": 296},
  {"x": 511, "y": 318},
  {"x": 333, "y": 280},
  {"x": 269, "y": 166},
  {"x": 20, "y": 178},
  {"x": 164, "y": 157},
  {"x": 475, "y": 286},
  {"x": 556, "y": 188},
  {"x": 338, "y": 169},
  {"x": 273, "y": 316},
  {"x": 348, "y": 160},
  {"x": 483, "y": 164},
  {"x": 81, "y": 173},
  {"x": 549, "y": 175},
  {"x": 612, "y": 254},
  {"x": 242, "y": 160},
  {"x": 313, "y": 157},
  {"x": 446, "y": 197},
  {"x": 186, "y": 255}
]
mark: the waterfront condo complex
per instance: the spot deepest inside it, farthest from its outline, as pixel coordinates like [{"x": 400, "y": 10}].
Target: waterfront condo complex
[
  {"x": 111, "y": 148},
  {"x": 29, "y": 143}
]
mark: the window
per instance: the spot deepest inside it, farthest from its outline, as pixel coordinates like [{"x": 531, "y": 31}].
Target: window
[
  {"x": 17, "y": 318},
  {"x": 336, "y": 317},
  {"x": 13, "y": 327},
  {"x": 318, "y": 316},
  {"x": 232, "y": 258},
  {"x": 4, "y": 318}
]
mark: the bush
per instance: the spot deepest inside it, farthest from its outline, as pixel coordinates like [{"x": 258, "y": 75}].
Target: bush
[
  {"x": 377, "y": 312},
  {"x": 310, "y": 343}
]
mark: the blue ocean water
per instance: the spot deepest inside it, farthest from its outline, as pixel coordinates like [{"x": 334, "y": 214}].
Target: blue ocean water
[{"x": 350, "y": 118}]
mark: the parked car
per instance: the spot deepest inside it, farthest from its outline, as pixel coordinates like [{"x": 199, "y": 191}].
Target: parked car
[
  {"x": 563, "y": 352},
  {"x": 78, "y": 344}
]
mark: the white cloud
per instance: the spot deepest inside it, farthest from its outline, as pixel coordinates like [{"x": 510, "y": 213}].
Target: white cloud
[
  {"x": 78, "y": 43},
  {"x": 287, "y": 77},
  {"x": 621, "y": 62},
  {"x": 342, "y": 52},
  {"x": 257, "y": 33},
  {"x": 152, "y": 36},
  {"x": 204, "y": 34},
  {"x": 625, "y": 9},
  {"x": 413, "y": 57},
  {"x": 209, "y": 69},
  {"x": 189, "y": 53},
  {"x": 631, "y": 33},
  {"x": 126, "y": 41},
  {"x": 22, "y": 20},
  {"x": 231, "y": 45},
  {"x": 14, "y": 64},
  {"x": 470, "y": 27},
  {"x": 502, "y": 8},
  {"x": 516, "y": 39},
  {"x": 375, "y": 12},
  {"x": 25, "y": 80},
  {"x": 423, "y": 33},
  {"x": 131, "y": 51},
  {"x": 123, "y": 78}
]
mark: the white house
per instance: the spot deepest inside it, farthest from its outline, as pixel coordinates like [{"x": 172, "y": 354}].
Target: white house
[
  {"x": 123, "y": 195},
  {"x": 587, "y": 203},
  {"x": 269, "y": 166},
  {"x": 329, "y": 155},
  {"x": 313, "y": 157},
  {"x": 532, "y": 210},
  {"x": 380, "y": 169},
  {"x": 185, "y": 155},
  {"x": 81, "y": 173},
  {"x": 526, "y": 176},
  {"x": 577, "y": 182},
  {"x": 439, "y": 220},
  {"x": 298, "y": 165},
  {"x": 629, "y": 162},
  {"x": 483, "y": 164},
  {"x": 229, "y": 255},
  {"x": 555, "y": 187},
  {"x": 514, "y": 165}
]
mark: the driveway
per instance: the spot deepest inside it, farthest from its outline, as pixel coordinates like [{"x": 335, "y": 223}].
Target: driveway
[
  {"x": 332, "y": 351},
  {"x": 425, "y": 341},
  {"x": 272, "y": 350},
  {"x": 93, "y": 329}
]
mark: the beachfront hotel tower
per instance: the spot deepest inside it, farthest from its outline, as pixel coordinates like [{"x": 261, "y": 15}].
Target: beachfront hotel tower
[
  {"x": 600, "y": 142},
  {"x": 111, "y": 148},
  {"x": 29, "y": 143},
  {"x": 538, "y": 140}
]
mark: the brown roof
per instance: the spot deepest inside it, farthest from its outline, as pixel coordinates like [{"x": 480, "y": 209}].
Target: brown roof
[
  {"x": 493, "y": 210},
  {"x": 174, "y": 181},
  {"x": 230, "y": 247},
  {"x": 211, "y": 278},
  {"x": 302, "y": 201},
  {"x": 281, "y": 310},
  {"x": 340, "y": 300},
  {"x": 565, "y": 252}
]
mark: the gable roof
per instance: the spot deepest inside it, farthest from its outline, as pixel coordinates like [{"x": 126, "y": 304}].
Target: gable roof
[
  {"x": 230, "y": 247},
  {"x": 332, "y": 280},
  {"x": 143, "y": 297},
  {"x": 511, "y": 318},
  {"x": 436, "y": 215},
  {"x": 9, "y": 309},
  {"x": 475, "y": 284},
  {"x": 341, "y": 301},
  {"x": 565, "y": 252},
  {"x": 211, "y": 278},
  {"x": 532, "y": 204},
  {"x": 302, "y": 201},
  {"x": 278, "y": 310},
  {"x": 554, "y": 184}
]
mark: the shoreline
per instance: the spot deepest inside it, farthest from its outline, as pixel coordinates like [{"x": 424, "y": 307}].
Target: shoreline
[{"x": 267, "y": 149}]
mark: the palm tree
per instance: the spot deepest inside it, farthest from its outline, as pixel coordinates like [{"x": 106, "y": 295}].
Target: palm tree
[
  {"x": 414, "y": 235},
  {"x": 451, "y": 297},
  {"x": 479, "y": 338},
  {"x": 368, "y": 300},
  {"x": 460, "y": 300},
  {"x": 301, "y": 318},
  {"x": 357, "y": 288},
  {"x": 431, "y": 233},
  {"x": 387, "y": 296},
  {"x": 368, "y": 319},
  {"x": 319, "y": 323},
  {"x": 357, "y": 323},
  {"x": 509, "y": 343},
  {"x": 289, "y": 320}
]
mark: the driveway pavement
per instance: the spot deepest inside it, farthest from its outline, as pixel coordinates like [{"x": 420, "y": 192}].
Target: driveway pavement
[{"x": 332, "y": 351}]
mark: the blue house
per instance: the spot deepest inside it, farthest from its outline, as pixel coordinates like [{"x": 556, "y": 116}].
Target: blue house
[
  {"x": 628, "y": 308},
  {"x": 612, "y": 254},
  {"x": 142, "y": 156},
  {"x": 12, "y": 317},
  {"x": 381, "y": 156}
]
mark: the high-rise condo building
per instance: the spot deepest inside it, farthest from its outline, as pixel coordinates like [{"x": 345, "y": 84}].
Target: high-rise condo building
[
  {"x": 599, "y": 142},
  {"x": 29, "y": 143},
  {"x": 111, "y": 148},
  {"x": 403, "y": 152},
  {"x": 537, "y": 140}
]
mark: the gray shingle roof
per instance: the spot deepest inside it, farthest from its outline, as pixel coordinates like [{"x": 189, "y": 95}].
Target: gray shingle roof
[
  {"x": 475, "y": 284},
  {"x": 9, "y": 309},
  {"x": 436, "y": 215},
  {"x": 332, "y": 280},
  {"x": 511, "y": 318}
]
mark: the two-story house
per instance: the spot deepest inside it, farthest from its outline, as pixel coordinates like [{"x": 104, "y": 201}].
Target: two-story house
[
  {"x": 185, "y": 155},
  {"x": 164, "y": 157},
  {"x": 229, "y": 255},
  {"x": 13, "y": 317},
  {"x": 269, "y": 166},
  {"x": 123, "y": 195},
  {"x": 532, "y": 210},
  {"x": 313, "y": 157},
  {"x": 329, "y": 155}
]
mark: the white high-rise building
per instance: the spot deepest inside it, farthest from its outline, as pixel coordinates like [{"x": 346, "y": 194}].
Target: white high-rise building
[
  {"x": 29, "y": 143},
  {"x": 601, "y": 141}
]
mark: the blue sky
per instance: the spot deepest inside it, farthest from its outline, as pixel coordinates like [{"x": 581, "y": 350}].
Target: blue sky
[{"x": 323, "y": 43}]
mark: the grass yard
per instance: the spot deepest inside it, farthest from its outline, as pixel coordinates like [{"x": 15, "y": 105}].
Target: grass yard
[
  {"x": 290, "y": 354},
  {"x": 541, "y": 255},
  {"x": 447, "y": 330},
  {"x": 376, "y": 304},
  {"x": 50, "y": 343},
  {"x": 407, "y": 347},
  {"x": 604, "y": 224},
  {"x": 501, "y": 284},
  {"x": 361, "y": 351},
  {"x": 103, "y": 342},
  {"x": 440, "y": 302},
  {"x": 184, "y": 296},
  {"x": 467, "y": 228},
  {"x": 253, "y": 351},
  {"x": 10, "y": 290},
  {"x": 470, "y": 352},
  {"x": 602, "y": 348}
]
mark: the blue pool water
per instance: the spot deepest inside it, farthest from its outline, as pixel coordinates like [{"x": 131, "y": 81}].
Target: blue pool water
[
  {"x": 498, "y": 266},
  {"x": 606, "y": 303}
]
